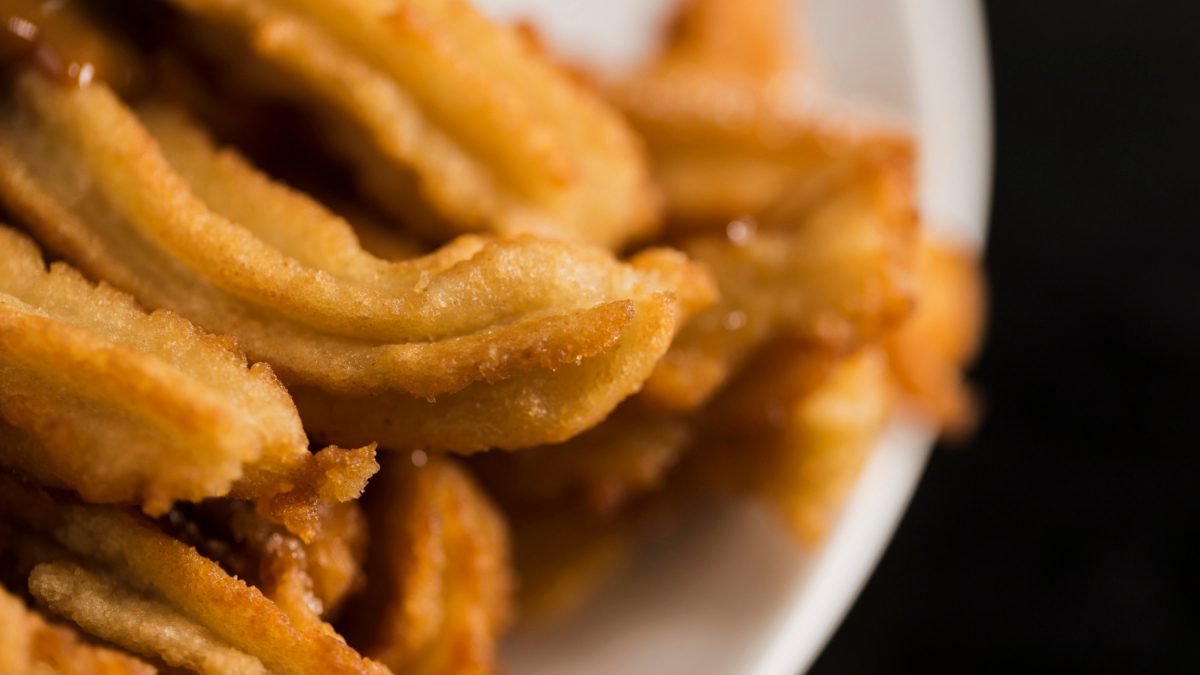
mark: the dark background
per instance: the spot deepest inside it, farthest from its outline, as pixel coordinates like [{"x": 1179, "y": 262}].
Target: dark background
[{"x": 1059, "y": 538}]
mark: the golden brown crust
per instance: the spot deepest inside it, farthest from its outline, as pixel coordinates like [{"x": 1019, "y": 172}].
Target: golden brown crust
[
  {"x": 144, "y": 564},
  {"x": 477, "y": 310},
  {"x": 128, "y": 407},
  {"x": 30, "y": 646},
  {"x": 439, "y": 569},
  {"x": 315, "y": 576},
  {"x": 304, "y": 500},
  {"x": 110, "y": 610},
  {"x": 438, "y": 107},
  {"x": 125, "y": 406},
  {"x": 834, "y": 271},
  {"x": 530, "y": 408},
  {"x": 631, "y": 387},
  {"x": 802, "y": 440}
]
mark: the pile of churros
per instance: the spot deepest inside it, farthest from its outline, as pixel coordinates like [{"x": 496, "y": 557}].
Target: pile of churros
[{"x": 340, "y": 336}]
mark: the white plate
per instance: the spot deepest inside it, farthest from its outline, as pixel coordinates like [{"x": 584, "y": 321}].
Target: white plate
[{"x": 730, "y": 594}]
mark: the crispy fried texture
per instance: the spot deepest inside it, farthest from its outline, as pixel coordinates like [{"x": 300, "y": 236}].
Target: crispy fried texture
[
  {"x": 407, "y": 303},
  {"x": 450, "y": 120},
  {"x": 439, "y": 570},
  {"x": 796, "y": 430},
  {"x": 124, "y": 406},
  {"x": 29, "y": 646},
  {"x": 308, "y": 579},
  {"x": 128, "y": 406},
  {"x": 830, "y": 265},
  {"x": 729, "y": 131},
  {"x": 928, "y": 352},
  {"x": 136, "y": 567},
  {"x": 110, "y": 610},
  {"x": 835, "y": 272},
  {"x": 335, "y": 561},
  {"x": 530, "y": 408},
  {"x": 827, "y": 274},
  {"x": 626, "y": 455},
  {"x": 306, "y": 587},
  {"x": 779, "y": 390},
  {"x": 306, "y": 501},
  {"x": 325, "y": 314}
]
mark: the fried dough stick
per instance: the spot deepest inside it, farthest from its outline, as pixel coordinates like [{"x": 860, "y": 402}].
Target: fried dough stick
[
  {"x": 928, "y": 352},
  {"x": 116, "y": 574},
  {"x": 290, "y": 281},
  {"x": 440, "y": 586},
  {"x": 796, "y": 430},
  {"x": 835, "y": 272},
  {"x": 729, "y": 127},
  {"x": 30, "y": 646},
  {"x": 831, "y": 274},
  {"x": 634, "y": 452},
  {"x": 167, "y": 189},
  {"x": 630, "y": 452},
  {"x": 125, "y": 406},
  {"x": 819, "y": 226},
  {"x": 450, "y": 119},
  {"x": 540, "y": 406},
  {"x": 828, "y": 263},
  {"x": 793, "y": 429}
]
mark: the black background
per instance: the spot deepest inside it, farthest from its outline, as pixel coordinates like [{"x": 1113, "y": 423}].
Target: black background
[{"x": 1058, "y": 539}]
